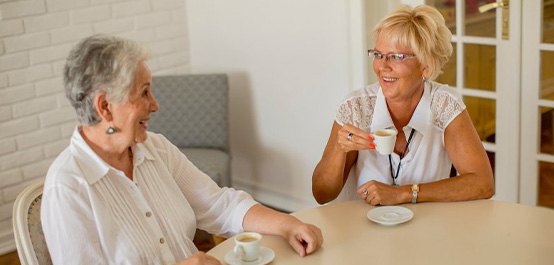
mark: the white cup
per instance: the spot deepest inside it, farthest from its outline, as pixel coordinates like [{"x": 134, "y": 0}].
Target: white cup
[
  {"x": 384, "y": 140},
  {"x": 247, "y": 246}
]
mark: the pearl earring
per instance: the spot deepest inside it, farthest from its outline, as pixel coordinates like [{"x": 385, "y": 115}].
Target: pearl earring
[{"x": 110, "y": 130}]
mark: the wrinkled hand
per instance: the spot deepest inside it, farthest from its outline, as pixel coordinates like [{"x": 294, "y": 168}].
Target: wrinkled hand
[
  {"x": 304, "y": 238},
  {"x": 358, "y": 139},
  {"x": 200, "y": 258},
  {"x": 377, "y": 193}
]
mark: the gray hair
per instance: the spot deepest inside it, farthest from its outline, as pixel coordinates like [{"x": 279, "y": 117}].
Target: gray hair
[
  {"x": 100, "y": 63},
  {"x": 421, "y": 28}
]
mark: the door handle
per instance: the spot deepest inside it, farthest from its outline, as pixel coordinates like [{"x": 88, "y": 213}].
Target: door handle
[{"x": 504, "y": 4}]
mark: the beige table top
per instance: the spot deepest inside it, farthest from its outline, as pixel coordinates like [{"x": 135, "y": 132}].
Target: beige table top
[{"x": 475, "y": 232}]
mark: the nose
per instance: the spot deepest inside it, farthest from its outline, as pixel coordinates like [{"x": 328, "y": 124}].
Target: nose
[
  {"x": 154, "y": 105},
  {"x": 382, "y": 63}
]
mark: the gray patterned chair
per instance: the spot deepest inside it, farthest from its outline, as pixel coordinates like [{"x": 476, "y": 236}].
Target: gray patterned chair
[
  {"x": 29, "y": 238},
  {"x": 193, "y": 115}
]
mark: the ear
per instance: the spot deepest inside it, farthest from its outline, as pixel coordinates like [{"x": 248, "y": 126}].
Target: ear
[
  {"x": 103, "y": 107},
  {"x": 425, "y": 72}
]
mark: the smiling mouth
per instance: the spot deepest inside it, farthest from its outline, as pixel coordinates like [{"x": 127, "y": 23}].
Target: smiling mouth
[
  {"x": 144, "y": 124},
  {"x": 389, "y": 79}
]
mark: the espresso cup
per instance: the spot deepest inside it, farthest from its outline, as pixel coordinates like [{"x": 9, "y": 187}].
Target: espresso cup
[
  {"x": 247, "y": 246},
  {"x": 384, "y": 141}
]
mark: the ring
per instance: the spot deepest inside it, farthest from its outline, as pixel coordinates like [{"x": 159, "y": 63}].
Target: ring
[
  {"x": 364, "y": 192},
  {"x": 349, "y": 137}
]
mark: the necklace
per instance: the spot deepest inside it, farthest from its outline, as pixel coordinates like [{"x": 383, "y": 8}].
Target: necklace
[{"x": 395, "y": 176}]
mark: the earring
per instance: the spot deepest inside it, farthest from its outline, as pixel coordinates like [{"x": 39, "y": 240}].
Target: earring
[{"x": 110, "y": 130}]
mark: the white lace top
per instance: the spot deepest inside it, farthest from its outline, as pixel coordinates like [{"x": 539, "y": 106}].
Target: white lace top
[
  {"x": 93, "y": 214},
  {"x": 427, "y": 159}
]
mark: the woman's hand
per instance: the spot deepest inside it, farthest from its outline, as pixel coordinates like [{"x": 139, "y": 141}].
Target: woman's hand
[
  {"x": 377, "y": 193},
  {"x": 351, "y": 138},
  {"x": 304, "y": 238},
  {"x": 200, "y": 258}
]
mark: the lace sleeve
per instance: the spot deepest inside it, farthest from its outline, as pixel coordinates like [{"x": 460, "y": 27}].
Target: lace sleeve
[
  {"x": 357, "y": 111},
  {"x": 446, "y": 106}
]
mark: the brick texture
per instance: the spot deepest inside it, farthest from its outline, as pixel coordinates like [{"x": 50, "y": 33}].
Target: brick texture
[
  {"x": 14, "y": 61},
  {"x": 22, "y": 8},
  {"x": 30, "y": 74},
  {"x": 50, "y": 53},
  {"x": 92, "y": 14},
  {"x": 46, "y": 22},
  {"x": 5, "y": 115},
  {"x": 36, "y": 121},
  {"x": 11, "y": 27},
  {"x": 3, "y": 80}
]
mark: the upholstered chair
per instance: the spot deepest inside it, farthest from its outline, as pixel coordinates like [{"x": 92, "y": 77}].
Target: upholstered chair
[{"x": 193, "y": 115}]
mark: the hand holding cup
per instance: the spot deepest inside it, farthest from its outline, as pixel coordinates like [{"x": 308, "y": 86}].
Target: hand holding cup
[
  {"x": 384, "y": 140},
  {"x": 351, "y": 138}
]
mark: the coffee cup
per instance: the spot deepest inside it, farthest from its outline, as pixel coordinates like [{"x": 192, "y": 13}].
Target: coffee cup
[
  {"x": 247, "y": 246},
  {"x": 384, "y": 140}
]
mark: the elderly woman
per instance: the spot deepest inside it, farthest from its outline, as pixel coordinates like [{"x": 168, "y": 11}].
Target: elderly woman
[
  {"x": 122, "y": 195},
  {"x": 434, "y": 129}
]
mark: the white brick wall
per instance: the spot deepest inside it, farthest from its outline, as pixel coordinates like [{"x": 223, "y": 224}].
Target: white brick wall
[
  {"x": 26, "y": 42},
  {"x": 5, "y": 114},
  {"x": 46, "y": 22},
  {"x": 36, "y": 120},
  {"x": 13, "y": 61},
  {"x": 30, "y": 74},
  {"x": 11, "y": 27},
  {"x": 22, "y": 8}
]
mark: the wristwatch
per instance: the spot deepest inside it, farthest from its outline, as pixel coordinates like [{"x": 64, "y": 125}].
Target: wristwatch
[{"x": 415, "y": 190}]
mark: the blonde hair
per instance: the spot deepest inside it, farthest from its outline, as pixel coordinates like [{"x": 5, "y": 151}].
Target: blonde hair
[{"x": 423, "y": 30}]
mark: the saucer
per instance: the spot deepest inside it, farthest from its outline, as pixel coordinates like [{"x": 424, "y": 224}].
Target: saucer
[
  {"x": 266, "y": 256},
  {"x": 390, "y": 215}
]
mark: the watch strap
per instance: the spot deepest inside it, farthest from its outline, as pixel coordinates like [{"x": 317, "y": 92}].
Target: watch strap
[{"x": 415, "y": 191}]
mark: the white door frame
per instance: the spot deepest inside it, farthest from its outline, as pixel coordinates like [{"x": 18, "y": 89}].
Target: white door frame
[{"x": 530, "y": 141}]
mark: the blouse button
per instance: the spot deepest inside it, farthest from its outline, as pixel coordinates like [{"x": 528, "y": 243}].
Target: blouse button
[
  {"x": 148, "y": 214},
  {"x": 162, "y": 240}
]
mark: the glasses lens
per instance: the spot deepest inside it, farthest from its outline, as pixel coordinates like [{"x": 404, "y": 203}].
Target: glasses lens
[
  {"x": 397, "y": 57},
  {"x": 375, "y": 54}
]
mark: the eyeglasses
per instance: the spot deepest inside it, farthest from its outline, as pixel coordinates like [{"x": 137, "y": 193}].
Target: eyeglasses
[{"x": 392, "y": 57}]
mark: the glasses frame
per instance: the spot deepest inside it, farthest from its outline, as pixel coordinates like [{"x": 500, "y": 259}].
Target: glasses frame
[{"x": 392, "y": 57}]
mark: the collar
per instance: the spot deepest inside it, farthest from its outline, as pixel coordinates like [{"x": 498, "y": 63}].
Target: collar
[
  {"x": 93, "y": 167},
  {"x": 381, "y": 115},
  {"x": 419, "y": 121}
]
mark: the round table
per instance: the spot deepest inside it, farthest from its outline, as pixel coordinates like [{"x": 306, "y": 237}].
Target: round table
[{"x": 474, "y": 232}]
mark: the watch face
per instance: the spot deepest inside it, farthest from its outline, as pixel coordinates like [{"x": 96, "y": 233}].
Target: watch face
[{"x": 415, "y": 187}]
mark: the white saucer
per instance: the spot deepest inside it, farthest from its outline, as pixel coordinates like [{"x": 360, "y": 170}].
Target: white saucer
[
  {"x": 390, "y": 215},
  {"x": 266, "y": 256}
]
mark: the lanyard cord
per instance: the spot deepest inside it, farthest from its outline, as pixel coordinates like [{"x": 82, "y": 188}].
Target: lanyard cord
[{"x": 394, "y": 177}]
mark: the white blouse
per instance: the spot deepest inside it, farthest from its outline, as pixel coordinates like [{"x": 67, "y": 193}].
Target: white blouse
[
  {"x": 93, "y": 214},
  {"x": 427, "y": 160}
]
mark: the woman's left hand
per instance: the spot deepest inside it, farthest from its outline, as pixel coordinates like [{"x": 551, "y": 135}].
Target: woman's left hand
[
  {"x": 377, "y": 193},
  {"x": 304, "y": 238}
]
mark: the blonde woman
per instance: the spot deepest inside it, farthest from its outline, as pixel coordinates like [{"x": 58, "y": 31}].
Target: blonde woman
[{"x": 434, "y": 128}]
